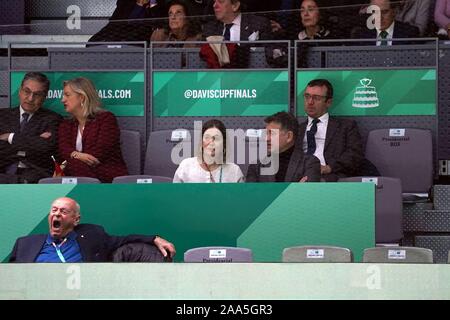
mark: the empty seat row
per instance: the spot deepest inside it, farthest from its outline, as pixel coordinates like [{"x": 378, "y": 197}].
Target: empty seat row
[{"x": 314, "y": 254}]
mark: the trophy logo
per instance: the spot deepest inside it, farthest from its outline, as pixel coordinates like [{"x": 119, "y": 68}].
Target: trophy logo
[{"x": 366, "y": 95}]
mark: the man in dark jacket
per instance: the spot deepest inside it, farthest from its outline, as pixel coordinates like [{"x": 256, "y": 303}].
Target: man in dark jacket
[
  {"x": 286, "y": 161},
  {"x": 70, "y": 241},
  {"x": 28, "y": 134}
]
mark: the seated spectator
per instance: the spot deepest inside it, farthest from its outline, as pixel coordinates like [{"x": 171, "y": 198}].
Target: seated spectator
[
  {"x": 284, "y": 144},
  {"x": 70, "y": 241},
  {"x": 336, "y": 142},
  {"x": 416, "y": 13},
  {"x": 132, "y": 20},
  {"x": 179, "y": 28},
  {"x": 442, "y": 17},
  {"x": 210, "y": 165},
  {"x": 231, "y": 25},
  {"x": 28, "y": 134},
  {"x": 388, "y": 28},
  {"x": 312, "y": 21},
  {"x": 90, "y": 140}
]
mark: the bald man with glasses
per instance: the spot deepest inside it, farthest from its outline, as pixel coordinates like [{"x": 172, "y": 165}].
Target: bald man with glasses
[
  {"x": 335, "y": 142},
  {"x": 28, "y": 134}
]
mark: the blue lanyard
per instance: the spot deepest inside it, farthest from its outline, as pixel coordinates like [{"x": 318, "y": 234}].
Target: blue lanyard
[
  {"x": 58, "y": 251},
  {"x": 220, "y": 179}
]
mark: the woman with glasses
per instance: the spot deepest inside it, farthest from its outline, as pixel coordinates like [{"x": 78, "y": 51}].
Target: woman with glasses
[
  {"x": 180, "y": 27},
  {"x": 312, "y": 21},
  {"x": 90, "y": 139},
  {"x": 210, "y": 165}
]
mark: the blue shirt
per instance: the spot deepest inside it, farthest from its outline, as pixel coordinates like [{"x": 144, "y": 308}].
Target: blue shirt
[{"x": 68, "y": 247}]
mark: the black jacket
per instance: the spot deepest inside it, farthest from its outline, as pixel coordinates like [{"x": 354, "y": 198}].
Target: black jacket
[{"x": 95, "y": 244}]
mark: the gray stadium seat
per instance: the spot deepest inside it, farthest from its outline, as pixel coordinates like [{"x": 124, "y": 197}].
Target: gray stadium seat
[
  {"x": 69, "y": 180},
  {"x": 317, "y": 254},
  {"x": 218, "y": 254},
  {"x": 403, "y": 153},
  {"x": 142, "y": 179},
  {"x": 398, "y": 255},
  {"x": 448, "y": 259},
  {"x": 158, "y": 155},
  {"x": 130, "y": 143},
  {"x": 388, "y": 208}
]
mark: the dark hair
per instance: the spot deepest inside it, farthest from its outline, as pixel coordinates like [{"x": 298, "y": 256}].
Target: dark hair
[
  {"x": 323, "y": 14},
  {"x": 192, "y": 27},
  {"x": 322, "y": 83},
  {"x": 214, "y": 123},
  {"x": 286, "y": 120},
  {"x": 39, "y": 77}
]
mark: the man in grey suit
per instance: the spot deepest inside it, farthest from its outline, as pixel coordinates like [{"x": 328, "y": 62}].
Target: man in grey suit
[
  {"x": 28, "y": 134},
  {"x": 336, "y": 142},
  {"x": 235, "y": 26},
  {"x": 285, "y": 146}
]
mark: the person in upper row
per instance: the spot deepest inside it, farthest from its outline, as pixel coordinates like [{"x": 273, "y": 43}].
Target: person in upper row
[
  {"x": 442, "y": 17},
  {"x": 132, "y": 20},
  {"x": 180, "y": 27},
  {"x": 312, "y": 22},
  {"x": 210, "y": 165},
  {"x": 388, "y": 28},
  {"x": 233, "y": 25},
  {"x": 90, "y": 139}
]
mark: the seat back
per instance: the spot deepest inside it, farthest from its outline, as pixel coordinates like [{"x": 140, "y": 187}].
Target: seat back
[
  {"x": 138, "y": 252},
  {"x": 398, "y": 255},
  {"x": 388, "y": 207},
  {"x": 218, "y": 254},
  {"x": 317, "y": 254},
  {"x": 142, "y": 179},
  {"x": 69, "y": 180},
  {"x": 406, "y": 154},
  {"x": 158, "y": 159},
  {"x": 130, "y": 143}
]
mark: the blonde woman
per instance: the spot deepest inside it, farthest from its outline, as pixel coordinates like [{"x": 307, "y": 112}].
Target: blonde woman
[{"x": 90, "y": 139}]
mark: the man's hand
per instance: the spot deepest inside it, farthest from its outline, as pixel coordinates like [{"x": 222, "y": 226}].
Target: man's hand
[
  {"x": 325, "y": 169},
  {"x": 165, "y": 247},
  {"x": 46, "y": 135},
  {"x": 275, "y": 26},
  {"x": 4, "y": 136},
  {"x": 304, "y": 179}
]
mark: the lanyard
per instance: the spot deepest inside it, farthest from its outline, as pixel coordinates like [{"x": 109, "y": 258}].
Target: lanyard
[{"x": 58, "y": 251}]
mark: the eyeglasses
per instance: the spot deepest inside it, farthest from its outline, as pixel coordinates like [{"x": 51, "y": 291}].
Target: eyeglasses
[
  {"x": 176, "y": 15},
  {"x": 38, "y": 94},
  {"x": 315, "y": 97}
]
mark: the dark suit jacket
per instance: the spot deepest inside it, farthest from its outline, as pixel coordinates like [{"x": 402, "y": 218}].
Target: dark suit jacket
[
  {"x": 300, "y": 165},
  {"x": 343, "y": 150},
  {"x": 38, "y": 151},
  {"x": 101, "y": 138},
  {"x": 249, "y": 25},
  {"x": 95, "y": 244},
  {"x": 401, "y": 30},
  {"x": 130, "y": 30}
]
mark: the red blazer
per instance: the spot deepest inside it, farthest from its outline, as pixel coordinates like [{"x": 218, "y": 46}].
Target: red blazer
[{"x": 101, "y": 138}]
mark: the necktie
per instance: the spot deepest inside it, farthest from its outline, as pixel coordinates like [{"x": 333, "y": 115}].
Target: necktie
[
  {"x": 311, "y": 137},
  {"x": 226, "y": 34},
  {"x": 383, "y": 35},
  {"x": 24, "y": 121}
]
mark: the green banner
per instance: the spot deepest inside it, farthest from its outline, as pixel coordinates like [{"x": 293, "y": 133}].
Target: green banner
[
  {"x": 269, "y": 218},
  {"x": 375, "y": 92},
  {"x": 122, "y": 92},
  {"x": 220, "y": 93}
]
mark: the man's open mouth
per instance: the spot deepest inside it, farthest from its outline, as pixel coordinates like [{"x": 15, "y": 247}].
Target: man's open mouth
[{"x": 56, "y": 224}]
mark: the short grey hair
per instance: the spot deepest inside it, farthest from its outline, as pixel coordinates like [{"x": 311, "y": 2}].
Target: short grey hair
[{"x": 39, "y": 77}]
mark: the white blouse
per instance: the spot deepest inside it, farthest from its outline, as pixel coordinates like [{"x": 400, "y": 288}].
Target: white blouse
[{"x": 190, "y": 170}]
